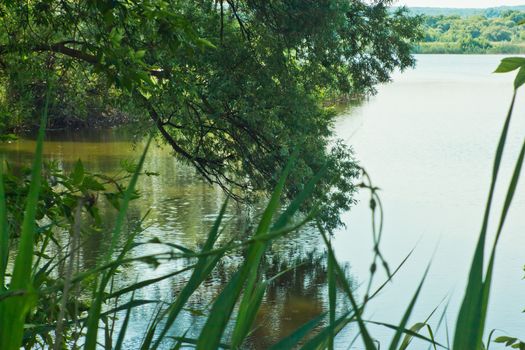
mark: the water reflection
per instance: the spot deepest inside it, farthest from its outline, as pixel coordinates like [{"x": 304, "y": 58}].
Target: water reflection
[
  {"x": 294, "y": 299},
  {"x": 182, "y": 210}
]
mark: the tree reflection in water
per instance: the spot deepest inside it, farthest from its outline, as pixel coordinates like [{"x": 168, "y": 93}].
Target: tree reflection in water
[{"x": 182, "y": 209}]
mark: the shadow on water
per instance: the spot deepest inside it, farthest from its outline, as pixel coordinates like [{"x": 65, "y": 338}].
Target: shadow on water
[{"x": 182, "y": 210}]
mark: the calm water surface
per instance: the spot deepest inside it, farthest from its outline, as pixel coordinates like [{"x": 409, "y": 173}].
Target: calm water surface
[
  {"x": 183, "y": 209},
  {"x": 427, "y": 140}
]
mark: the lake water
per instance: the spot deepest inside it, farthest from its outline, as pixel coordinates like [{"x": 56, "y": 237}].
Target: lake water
[{"x": 427, "y": 140}]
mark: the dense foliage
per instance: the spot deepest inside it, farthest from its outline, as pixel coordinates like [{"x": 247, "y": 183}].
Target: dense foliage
[
  {"x": 234, "y": 87},
  {"x": 490, "y": 32},
  {"x": 464, "y": 12}
]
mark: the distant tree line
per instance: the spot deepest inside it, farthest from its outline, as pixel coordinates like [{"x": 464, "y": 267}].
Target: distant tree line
[
  {"x": 464, "y": 12},
  {"x": 493, "y": 32}
]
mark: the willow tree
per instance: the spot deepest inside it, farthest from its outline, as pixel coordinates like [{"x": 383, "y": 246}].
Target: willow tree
[{"x": 233, "y": 86}]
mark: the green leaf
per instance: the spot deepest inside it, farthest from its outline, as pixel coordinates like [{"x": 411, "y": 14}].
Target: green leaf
[
  {"x": 91, "y": 184},
  {"x": 506, "y": 340},
  {"x": 408, "y": 338},
  {"x": 113, "y": 199},
  {"x": 78, "y": 173},
  {"x": 510, "y": 64},
  {"x": 520, "y": 78},
  {"x": 116, "y": 36},
  {"x": 205, "y": 43},
  {"x": 140, "y": 54}
]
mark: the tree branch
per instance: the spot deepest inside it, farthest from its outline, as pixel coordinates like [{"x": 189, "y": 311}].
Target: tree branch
[{"x": 73, "y": 53}]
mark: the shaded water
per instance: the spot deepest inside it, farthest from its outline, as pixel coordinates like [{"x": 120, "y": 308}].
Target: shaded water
[
  {"x": 427, "y": 139},
  {"x": 183, "y": 209}
]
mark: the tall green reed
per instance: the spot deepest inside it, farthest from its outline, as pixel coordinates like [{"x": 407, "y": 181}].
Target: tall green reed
[
  {"x": 13, "y": 310},
  {"x": 470, "y": 325}
]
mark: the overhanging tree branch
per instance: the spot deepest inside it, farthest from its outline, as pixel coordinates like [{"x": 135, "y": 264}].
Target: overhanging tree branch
[{"x": 70, "y": 52}]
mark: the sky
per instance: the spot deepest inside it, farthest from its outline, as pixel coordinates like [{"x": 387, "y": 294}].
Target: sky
[{"x": 460, "y": 3}]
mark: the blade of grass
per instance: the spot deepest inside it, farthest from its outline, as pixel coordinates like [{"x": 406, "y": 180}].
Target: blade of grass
[
  {"x": 155, "y": 319},
  {"x": 203, "y": 268},
  {"x": 431, "y": 334},
  {"x": 247, "y": 314},
  {"x": 124, "y": 328},
  {"x": 179, "y": 343},
  {"x": 293, "y": 339},
  {"x": 253, "y": 294},
  {"x": 365, "y": 335},
  {"x": 14, "y": 310},
  {"x": 4, "y": 233},
  {"x": 332, "y": 295},
  {"x": 469, "y": 325},
  {"x": 416, "y": 328},
  {"x": 406, "y": 331},
  {"x": 128, "y": 195},
  {"x": 506, "y": 207},
  {"x": 222, "y": 309},
  {"x": 390, "y": 277},
  {"x": 69, "y": 274},
  {"x": 321, "y": 340},
  {"x": 491, "y": 334},
  {"x": 404, "y": 321},
  {"x": 96, "y": 306},
  {"x": 442, "y": 319},
  {"x": 220, "y": 314},
  {"x": 296, "y": 203},
  {"x": 192, "y": 341},
  {"x": 246, "y": 318},
  {"x": 134, "y": 287}
]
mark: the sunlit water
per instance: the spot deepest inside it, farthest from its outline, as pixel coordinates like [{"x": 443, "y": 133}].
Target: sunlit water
[{"x": 427, "y": 140}]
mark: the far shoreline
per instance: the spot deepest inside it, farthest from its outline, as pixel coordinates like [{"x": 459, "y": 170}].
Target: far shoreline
[{"x": 450, "y": 48}]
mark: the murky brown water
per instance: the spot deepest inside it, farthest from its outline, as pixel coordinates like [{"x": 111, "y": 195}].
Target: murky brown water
[{"x": 183, "y": 208}]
